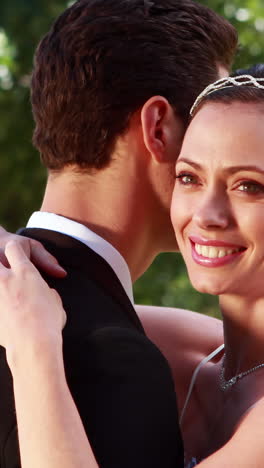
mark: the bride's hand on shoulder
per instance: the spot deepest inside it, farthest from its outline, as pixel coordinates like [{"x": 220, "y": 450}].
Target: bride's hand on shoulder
[
  {"x": 31, "y": 313},
  {"x": 34, "y": 250}
]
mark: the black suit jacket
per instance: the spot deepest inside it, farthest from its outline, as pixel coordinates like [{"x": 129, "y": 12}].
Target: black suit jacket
[{"x": 120, "y": 381}]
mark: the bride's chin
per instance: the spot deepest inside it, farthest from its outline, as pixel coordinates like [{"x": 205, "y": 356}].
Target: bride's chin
[{"x": 205, "y": 287}]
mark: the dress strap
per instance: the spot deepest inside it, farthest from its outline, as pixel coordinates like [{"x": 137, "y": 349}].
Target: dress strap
[{"x": 193, "y": 379}]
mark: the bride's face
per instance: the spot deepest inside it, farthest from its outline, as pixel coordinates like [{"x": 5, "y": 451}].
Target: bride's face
[{"x": 218, "y": 202}]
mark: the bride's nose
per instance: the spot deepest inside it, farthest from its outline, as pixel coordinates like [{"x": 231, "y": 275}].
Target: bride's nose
[{"x": 213, "y": 211}]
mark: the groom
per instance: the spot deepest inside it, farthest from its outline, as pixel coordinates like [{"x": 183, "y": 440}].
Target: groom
[{"x": 112, "y": 86}]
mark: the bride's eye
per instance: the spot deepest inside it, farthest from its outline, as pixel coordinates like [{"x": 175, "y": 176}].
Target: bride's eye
[
  {"x": 185, "y": 178},
  {"x": 250, "y": 187}
]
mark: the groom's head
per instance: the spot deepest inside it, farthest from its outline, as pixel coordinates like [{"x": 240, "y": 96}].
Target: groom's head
[
  {"x": 103, "y": 59},
  {"x": 113, "y": 83}
]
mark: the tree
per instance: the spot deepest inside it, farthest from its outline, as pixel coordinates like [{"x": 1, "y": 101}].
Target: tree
[{"x": 22, "y": 23}]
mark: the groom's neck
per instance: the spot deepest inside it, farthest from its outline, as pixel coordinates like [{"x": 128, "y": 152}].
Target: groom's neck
[{"x": 113, "y": 205}]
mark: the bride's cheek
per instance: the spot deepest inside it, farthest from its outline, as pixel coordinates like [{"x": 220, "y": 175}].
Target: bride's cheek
[
  {"x": 182, "y": 206},
  {"x": 177, "y": 218}
]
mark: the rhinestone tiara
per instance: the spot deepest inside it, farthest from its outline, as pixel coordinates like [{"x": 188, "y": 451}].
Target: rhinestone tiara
[{"x": 228, "y": 82}]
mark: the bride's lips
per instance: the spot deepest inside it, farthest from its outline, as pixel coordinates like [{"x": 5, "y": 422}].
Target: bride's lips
[{"x": 214, "y": 253}]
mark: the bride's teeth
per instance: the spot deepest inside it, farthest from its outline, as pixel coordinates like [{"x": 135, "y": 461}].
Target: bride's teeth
[
  {"x": 213, "y": 252},
  {"x": 204, "y": 250},
  {"x": 221, "y": 253},
  {"x": 198, "y": 248}
]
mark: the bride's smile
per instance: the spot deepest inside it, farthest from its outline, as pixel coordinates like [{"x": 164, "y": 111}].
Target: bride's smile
[{"x": 213, "y": 253}]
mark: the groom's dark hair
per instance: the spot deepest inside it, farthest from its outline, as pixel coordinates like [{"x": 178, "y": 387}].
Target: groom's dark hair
[{"x": 103, "y": 59}]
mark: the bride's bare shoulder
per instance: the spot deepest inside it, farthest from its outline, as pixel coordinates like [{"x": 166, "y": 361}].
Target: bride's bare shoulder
[{"x": 181, "y": 328}]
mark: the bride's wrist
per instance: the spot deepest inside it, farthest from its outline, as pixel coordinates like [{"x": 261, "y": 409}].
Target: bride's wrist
[{"x": 34, "y": 352}]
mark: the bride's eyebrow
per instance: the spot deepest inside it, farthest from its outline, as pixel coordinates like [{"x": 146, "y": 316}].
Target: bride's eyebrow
[
  {"x": 190, "y": 162},
  {"x": 228, "y": 170},
  {"x": 253, "y": 168}
]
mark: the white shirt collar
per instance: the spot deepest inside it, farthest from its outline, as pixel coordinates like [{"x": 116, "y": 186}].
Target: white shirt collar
[{"x": 78, "y": 231}]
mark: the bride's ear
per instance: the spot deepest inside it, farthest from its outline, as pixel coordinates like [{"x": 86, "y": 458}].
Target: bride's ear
[{"x": 159, "y": 128}]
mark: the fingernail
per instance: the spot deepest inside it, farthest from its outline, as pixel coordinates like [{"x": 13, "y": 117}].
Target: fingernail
[{"x": 61, "y": 269}]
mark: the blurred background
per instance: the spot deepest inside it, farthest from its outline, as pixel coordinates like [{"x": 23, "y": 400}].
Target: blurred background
[{"x": 22, "y": 23}]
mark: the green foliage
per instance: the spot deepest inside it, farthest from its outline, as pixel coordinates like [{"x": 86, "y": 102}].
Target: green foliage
[
  {"x": 22, "y": 23},
  {"x": 166, "y": 283}
]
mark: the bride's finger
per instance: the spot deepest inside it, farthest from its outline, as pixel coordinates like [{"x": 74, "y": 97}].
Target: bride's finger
[
  {"x": 3, "y": 259},
  {"x": 16, "y": 257},
  {"x": 3, "y": 267}
]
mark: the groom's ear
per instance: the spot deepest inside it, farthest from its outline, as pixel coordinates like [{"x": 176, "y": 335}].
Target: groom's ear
[{"x": 162, "y": 130}]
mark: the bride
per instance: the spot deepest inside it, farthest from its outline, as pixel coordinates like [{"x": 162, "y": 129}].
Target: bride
[{"x": 217, "y": 212}]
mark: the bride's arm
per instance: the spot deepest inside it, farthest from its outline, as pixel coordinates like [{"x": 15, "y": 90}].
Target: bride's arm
[
  {"x": 49, "y": 427},
  {"x": 31, "y": 316}
]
